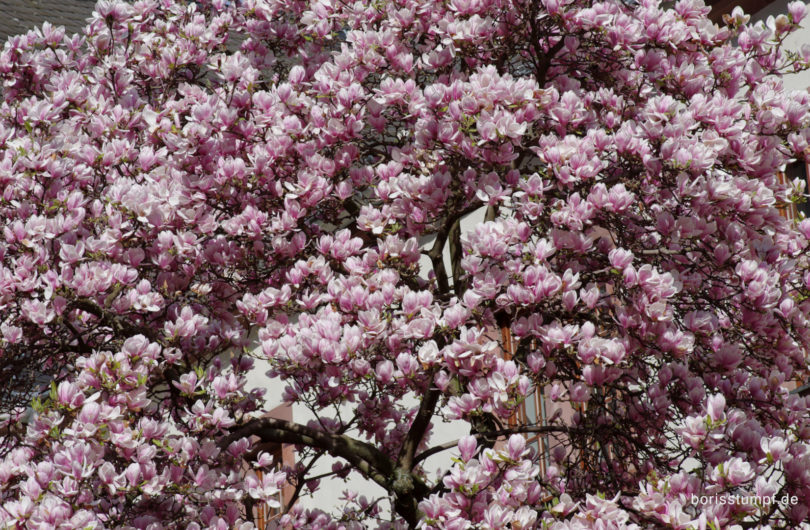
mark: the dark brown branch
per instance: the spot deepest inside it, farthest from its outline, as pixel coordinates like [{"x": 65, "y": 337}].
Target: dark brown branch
[
  {"x": 448, "y": 229},
  {"x": 82, "y": 347},
  {"x": 497, "y": 434},
  {"x": 491, "y": 214},
  {"x": 455, "y": 257},
  {"x": 436, "y": 255},
  {"x": 405, "y": 460},
  {"x": 300, "y": 485},
  {"x": 544, "y": 63},
  {"x": 119, "y": 324},
  {"x": 366, "y": 458}
]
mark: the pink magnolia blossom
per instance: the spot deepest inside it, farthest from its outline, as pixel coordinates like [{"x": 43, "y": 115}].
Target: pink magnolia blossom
[{"x": 423, "y": 223}]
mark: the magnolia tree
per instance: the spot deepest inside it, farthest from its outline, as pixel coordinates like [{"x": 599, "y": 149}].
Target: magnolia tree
[{"x": 187, "y": 188}]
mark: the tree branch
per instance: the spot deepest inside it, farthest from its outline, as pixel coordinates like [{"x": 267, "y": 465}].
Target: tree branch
[
  {"x": 119, "y": 324},
  {"x": 449, "y": 229},
  {"x": 366, "y": 458},
  {"x": 405, "y": 460},
  {"x": 497, "y": 434},
  {"x": 455, "y": 257}
]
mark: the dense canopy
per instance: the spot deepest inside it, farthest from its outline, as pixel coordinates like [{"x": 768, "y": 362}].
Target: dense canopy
[{"x": 416, "y": 212}]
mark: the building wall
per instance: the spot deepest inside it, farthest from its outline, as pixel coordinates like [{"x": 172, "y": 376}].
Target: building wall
[{"x": 795, "y": 81}]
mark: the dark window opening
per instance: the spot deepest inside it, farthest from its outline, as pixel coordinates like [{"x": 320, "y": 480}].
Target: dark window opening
[{"x": 798, "y": 170}]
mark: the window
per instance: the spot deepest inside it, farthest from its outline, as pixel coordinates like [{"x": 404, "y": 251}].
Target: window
[
  {"x": 531, "y": 412},
  {"x": 798, "y": 170},
  {"x": 264, "y": 515},
  {"x": 803, "y": 390}
]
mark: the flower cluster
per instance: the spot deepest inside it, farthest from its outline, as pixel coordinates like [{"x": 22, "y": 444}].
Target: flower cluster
[{"x": 398, "y": 214}]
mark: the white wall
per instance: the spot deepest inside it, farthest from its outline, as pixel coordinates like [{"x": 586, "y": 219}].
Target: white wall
[{"x": 795, "y": 81}]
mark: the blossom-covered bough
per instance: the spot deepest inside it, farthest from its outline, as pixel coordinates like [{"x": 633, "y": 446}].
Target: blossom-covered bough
[{"x": 182, "y": 177}]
